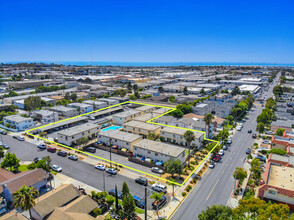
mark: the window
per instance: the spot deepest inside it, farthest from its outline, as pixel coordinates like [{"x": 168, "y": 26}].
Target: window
[
  {"x": 272, "y": 191},
  {"x": 149, "y": 152},
  {"x": 156, "y": 154}
]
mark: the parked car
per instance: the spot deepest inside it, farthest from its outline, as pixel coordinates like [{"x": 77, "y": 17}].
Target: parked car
[
  {"x": 261, "y": 158},
  {"x": 158, "y": 188},
  {"x": 112, "y": 193},
  {"x": 56, "y": 168},
  {"x": 229, "y": 141},
  {"x": 73, "y": 157},
  {"x": 157, "y": 170},
  {"x": 19, "y": 138},
  {"x": 239, "y": 128},
  {"x": 3, "y": 132},
  {"x": 37, "y": 159},
  {"x": 249, "y": 131},
  {"x": 139, "y": 202},
  {"x": 142, "y": 180},
  {"x": 221, "y": 152},
  {"x": 156, "y": 205},
  {"x": 248, "y": 151},
  {"x": 211, "y": 165},
  {"x": 91, "y": 149},
  {"x": 42, "y": 146},
  {"x": 254, "y": 135},
  {"x": 261, "y": 149},
  {"x": 100, "y": 167},
  {"x": 217, "y": 158},
  {"x": 111, "y": 171},
  {"x": 5, "y": 146},
  {"x": 225, "y": 147},
  {"x": 62, "y": 153},
  {"x": 269, "y": 132},
  {"x": 51, "y": 149},
  {"x": 266, "y": 142}
]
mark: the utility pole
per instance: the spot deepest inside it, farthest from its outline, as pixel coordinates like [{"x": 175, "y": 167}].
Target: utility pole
[
  {"x": 104, "y": 180},
  {"x": 145, "y": 203}
]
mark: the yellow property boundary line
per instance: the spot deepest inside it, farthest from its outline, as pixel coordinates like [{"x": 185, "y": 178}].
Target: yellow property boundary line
[{"x": 149, "y": 121}]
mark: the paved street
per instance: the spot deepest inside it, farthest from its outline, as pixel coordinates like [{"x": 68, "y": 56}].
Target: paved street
[
  {"x": 217, "y": 184},
  {"x": 78, "y": 170}
]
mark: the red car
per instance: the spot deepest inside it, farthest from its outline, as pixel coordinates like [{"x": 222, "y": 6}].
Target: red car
[
  {"x": 217, "y": 158},
  {"x": 51, "y": 149}
]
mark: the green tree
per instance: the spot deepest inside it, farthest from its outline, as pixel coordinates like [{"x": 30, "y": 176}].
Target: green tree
[
  {"x": 10, "y": 161},
  {"x": 189, "y": 137},
  {"x": 157, "y": 197},
  {"x": 151, "y": 136},
  {"x": 208, "y": 119},
  {"x": 63, "y": 102},
  {"x": 80, "y": 100},
  {"x": 185, "y": 108},
  {"x": 67, "y": 96},
  {"x": 44, "y": 164},
  {"x": 32, "y": 102},
  {"x": 177, "y": 113},
  {"x": 1, "y": 153},
  {"x": 129, "y": 87},
  {"x": 173, "y": 166},
  {"x": 278, "y": 90},
  {"x": 82, "y": 142},
  {"x": 125, "y": 190},
  {"x": 185, "y": 90},
  {"x": 235, "y": 91},
  {"x": 24, "y": 198},
  {"x": 202, "y": 91},
  {"x": 135, "y": 87},
  {"x": 219, "y": 212},
  {"x": 128, "y": 207},
  {"x": 132, "y": 97},
  {"x": 137, "y": 94},
  {"x": 255, "y": 169},
  {"x": 280, "y": 131},
  {"x": 73, "y": 97},
  {"x": 172, "y": 99},
  {"x": 260, "y": 127},
  {"x": 160, "y": 89},
  {"x": 240, "y": 174}
]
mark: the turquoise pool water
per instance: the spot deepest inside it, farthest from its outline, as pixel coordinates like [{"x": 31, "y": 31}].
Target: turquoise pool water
[{"x": 113, "y": 127}]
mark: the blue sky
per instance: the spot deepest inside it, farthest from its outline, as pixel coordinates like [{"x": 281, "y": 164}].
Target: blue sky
[{"x": 147, "y": 31}]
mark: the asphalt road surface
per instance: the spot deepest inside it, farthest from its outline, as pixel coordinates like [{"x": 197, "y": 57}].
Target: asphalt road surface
[{"x": 217, "y": 184}]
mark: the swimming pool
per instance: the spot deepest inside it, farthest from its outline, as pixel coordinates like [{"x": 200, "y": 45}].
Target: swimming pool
[{"x": 113, "y": 127}]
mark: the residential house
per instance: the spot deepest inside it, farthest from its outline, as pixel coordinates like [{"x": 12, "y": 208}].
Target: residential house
[
  {"x": 64, "y": 202},
  {"x": 158, "y": 151},
  {"x": 145, "y": 109},
  {"x": 18, "y": 122},
  {"x": 119, "y": 138},
  {"x": 145, "y": 117},
  {"x": 109, "y": 101},
  {"x": 287, "y": 161},
  {"x": 11, "y": 182},
  {"x": 217, "y": 121},
  {"x": 96, "y": 105},
  {"x": 166, "y": 120},
  {"x": 280, "y": 142}
]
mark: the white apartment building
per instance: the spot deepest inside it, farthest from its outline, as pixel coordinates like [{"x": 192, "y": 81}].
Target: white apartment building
[
  {"x": 64, "y": 111},
  {"x": 71, "y": 135},
  {"x": 18, "y": 122},
  {"x": 176, "y": 136},
  {"x": 125, "y": 116},
  {"x": 119, "y": 138},
  {"x": 145, "y": 109},
  {"x": 108, "y": 101},
  {"x": 45, "y": 116},
  {"x": 96, "y": 105},
  {"x": 137, "y": 127},
  {"x": 158, "y": 151},
  {"x": 83, "y": 108}
]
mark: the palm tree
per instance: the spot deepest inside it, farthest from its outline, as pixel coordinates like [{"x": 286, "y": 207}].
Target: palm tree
[
  {"x": 172, "y": 182},
  {"x": 189, "y": 137},
  {"x": 157, "y": 197},
  {"x": 25, "y": 198},
  {"x": 208, "y": 119}
]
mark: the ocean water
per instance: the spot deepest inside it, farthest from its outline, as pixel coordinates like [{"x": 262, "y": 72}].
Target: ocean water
[{"x": 83, "y": 63}]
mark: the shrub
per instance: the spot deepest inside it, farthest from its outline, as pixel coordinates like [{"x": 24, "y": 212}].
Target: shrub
[
  {"x": 110, "y": 200},
  {"x": 97, "y": 212},
  {"x": 278, "y": 151},
  {"x": 184, "y": 194},
  {"x": 32, "y": 166}
]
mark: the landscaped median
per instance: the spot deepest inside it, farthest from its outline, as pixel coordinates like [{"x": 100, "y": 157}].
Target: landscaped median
[{"x": 196, "y": 160}]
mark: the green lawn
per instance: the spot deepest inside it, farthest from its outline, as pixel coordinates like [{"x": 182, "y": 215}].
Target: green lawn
[{"x": 22, "y": 168}]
